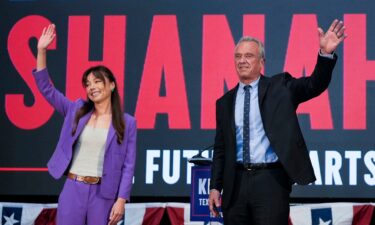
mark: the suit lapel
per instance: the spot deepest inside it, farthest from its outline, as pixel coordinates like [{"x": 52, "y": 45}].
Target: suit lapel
[
  {"x": 231, "y": 106},
  {"x": 111, "y": 134},
  {"x": 263, "y": 86},
  {"x": 82, "y": 123}
]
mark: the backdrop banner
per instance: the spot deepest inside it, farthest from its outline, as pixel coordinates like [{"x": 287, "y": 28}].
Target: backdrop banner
[
  {"x": 179, "y": 213},
  {"x": 172, "y": 61}
]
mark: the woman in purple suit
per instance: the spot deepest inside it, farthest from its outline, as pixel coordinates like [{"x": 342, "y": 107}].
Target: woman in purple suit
[{"x": 96, "y": 148}]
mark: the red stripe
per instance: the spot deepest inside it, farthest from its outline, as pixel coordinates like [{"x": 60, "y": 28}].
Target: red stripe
[
  {"x": 289, "y": 221},
  {"x": 23, "y": 169},
  {"x": 362, "y": 214},
  {"x": 176, "y": 215},
  {"x": 153, "y": 216},
  {"x": 46, "y": 217}
]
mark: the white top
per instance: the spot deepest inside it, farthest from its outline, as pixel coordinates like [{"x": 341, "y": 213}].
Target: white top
[{"x": 89, "y": 152}]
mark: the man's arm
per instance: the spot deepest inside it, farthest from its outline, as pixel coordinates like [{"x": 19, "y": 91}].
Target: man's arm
[
  {"x": 217, "y": 168},
  {"x": 306, "y": 88}
]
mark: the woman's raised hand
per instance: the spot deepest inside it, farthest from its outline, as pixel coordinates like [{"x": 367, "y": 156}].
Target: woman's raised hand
[{"x": 47, "y": 37}]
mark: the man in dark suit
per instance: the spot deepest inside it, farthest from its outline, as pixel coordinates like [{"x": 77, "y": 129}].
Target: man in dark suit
[{"x": 259, "y": 149}]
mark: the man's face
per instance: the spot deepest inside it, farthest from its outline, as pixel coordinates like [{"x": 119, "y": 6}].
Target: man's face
[{"x": 248, "y": 61}]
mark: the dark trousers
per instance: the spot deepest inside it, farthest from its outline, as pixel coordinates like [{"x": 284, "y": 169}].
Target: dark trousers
[{"x": 260, "y": 197}]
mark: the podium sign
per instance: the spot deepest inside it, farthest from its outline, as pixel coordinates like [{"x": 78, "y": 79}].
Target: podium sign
[{"x": 200, "y": 190}]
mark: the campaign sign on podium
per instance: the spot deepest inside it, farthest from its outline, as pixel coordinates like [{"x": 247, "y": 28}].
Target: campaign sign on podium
[{"x": 200, "y": 190}]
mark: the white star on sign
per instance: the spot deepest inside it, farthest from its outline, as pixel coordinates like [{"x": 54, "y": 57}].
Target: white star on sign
[
  {"x": 321, "y": 222},
  {"x": 10, "y": 220}
]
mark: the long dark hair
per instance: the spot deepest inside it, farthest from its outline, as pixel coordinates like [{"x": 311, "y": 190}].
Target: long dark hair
[{"x": 118, "y": 122}]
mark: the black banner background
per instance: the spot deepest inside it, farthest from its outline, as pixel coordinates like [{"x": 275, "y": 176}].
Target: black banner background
[{"x": 33, "y": 147}]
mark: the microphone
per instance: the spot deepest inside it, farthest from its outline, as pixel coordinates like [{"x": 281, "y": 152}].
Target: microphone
[{"x": 199, "y": 160}]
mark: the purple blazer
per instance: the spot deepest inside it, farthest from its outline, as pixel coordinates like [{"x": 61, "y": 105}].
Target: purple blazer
[{"x": 119, "y": 159}]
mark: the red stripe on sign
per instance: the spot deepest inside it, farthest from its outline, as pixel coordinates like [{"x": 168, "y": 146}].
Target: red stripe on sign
[{"x": 23, "y": 169}]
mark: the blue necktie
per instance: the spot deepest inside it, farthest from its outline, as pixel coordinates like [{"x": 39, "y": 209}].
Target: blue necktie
[{"x": 246, "y": 127}]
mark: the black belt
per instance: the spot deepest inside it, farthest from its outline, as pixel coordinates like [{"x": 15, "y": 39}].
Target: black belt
[{"x": 258, "y": 166}]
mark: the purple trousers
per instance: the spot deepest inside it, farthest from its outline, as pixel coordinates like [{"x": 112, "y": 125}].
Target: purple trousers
[{"x": 81, "y": 204}]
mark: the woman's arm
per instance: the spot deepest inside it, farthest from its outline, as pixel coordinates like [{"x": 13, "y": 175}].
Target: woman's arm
[
  {"x": 53, "y": 96},
  {"x": 45, "y": 40}
]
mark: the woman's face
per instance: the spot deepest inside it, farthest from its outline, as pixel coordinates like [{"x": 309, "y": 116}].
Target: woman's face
[{"x": 98, "y": 91}]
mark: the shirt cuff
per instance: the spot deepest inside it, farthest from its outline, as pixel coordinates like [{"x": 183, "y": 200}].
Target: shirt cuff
[
  {"x": 213, "y": 189},
  {"x": 330, "y": 56}
]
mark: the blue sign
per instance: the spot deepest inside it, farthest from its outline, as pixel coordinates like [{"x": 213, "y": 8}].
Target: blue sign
[{"x": 200, "y": 190}]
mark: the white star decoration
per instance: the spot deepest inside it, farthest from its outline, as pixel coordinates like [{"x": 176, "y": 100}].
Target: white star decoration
[
  {"x": 10, "y": 220},
  {"x": 322, "y": 222}
]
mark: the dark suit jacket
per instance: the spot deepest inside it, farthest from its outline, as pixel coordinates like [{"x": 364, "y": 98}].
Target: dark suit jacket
[{"x": 279, "y": 97}]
